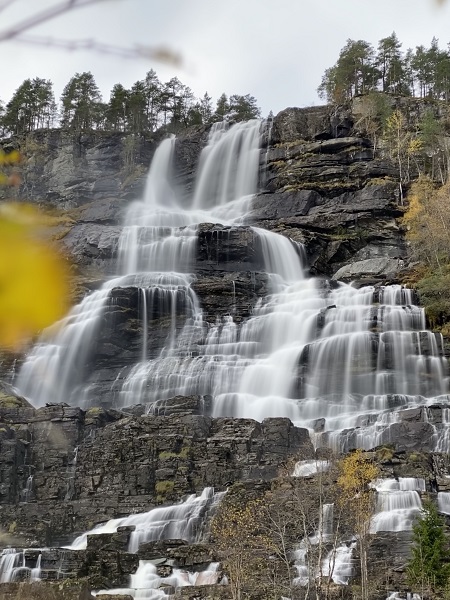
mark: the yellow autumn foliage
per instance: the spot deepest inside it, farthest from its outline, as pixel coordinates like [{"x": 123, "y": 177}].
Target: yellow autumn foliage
[
  {"x": 33, "y": 276},
  {"x": 428, "y": 221},
  {"x": 356, "y": 473}
]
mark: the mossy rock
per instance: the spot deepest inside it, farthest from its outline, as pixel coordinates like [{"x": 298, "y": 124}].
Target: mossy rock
[
  {"x": 10, "y": 401},
  {"x": 385, "y": 453},
  {"x": 94, "y": 412},
  {"x": 163, "y": 490}
]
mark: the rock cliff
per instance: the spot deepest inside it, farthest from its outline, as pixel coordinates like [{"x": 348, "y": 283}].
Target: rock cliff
[{"x": 65, "y": 469}]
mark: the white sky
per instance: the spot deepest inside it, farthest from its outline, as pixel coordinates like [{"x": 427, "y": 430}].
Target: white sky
[{"x": 276, "y": 50}]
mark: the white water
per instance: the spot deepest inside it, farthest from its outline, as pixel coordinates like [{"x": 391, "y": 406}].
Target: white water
[
  {"x": 13, "y": 566},
  {"x": 307, "y": 468},
  {"x": 403, "y": 596},
  {"x": 145, "y": 584},
  {"x": 340, "y": 564},
  {"x": 305, "y": 561},
  {"x": 443, "y": 499},
  {"x": 341, "y": 361},
  {"x": 179, "y": 521},
  {"x": 398, "y": 504}
]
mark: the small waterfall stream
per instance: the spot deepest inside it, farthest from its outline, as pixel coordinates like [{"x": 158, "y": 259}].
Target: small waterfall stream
[
  {"x": 398, "y": 504},
  {"x": 14, "y": 567},
  {"x": 180, "y": 521}
]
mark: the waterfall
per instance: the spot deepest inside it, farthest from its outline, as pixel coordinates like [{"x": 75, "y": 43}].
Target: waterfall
[
  {"x": 146, "y": 584},
  {"x": 180, "y": 521},
  {"x": 344, "y": 564},
  {"x": 398, "y": 504},
  {"x": 13, "y": 566},
  {"x": 443, "y": 499},
  {"x": 9, "y": 559},
  {"x": 343, "y": 362},
  {"x": 307, "y": 468}
]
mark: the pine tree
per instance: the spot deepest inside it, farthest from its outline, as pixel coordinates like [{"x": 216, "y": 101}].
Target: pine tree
[
  {"x": 80, "y": 100},
  {"x": 222, "y": 108},
  {"x": 205, "y": 108},
  {"x": 153, "y": 91},
  {"x": 2, "y": 112},
  {"x": 31, "y": 107},
  {"x": 422, "y": 67},
  {"x": 137, "y": 108},
  {"x": 117, "y": 108},
  {"x": 429, "y": 569},
  {"x": 173, "y": 106},
  {"x": 354, "y": 72},
  {"x": 243, "y": 108},
  {"x": 391, "y": 64}
]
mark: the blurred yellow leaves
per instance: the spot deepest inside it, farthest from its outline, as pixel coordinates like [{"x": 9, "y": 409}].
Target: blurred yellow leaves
[{"x": 33, "y": 277}]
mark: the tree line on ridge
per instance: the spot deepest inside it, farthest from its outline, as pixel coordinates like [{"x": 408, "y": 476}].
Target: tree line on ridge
[
  {"x": 423, "y": 72},
  {"x": 147, "y": 106}
]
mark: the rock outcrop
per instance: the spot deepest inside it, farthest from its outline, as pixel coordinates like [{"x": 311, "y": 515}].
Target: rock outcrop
[{"x": 64, "y": 469}]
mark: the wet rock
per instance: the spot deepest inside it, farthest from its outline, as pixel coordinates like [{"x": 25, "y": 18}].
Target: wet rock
[
  {"x": 228, "y": 249},
  {"x": 372, "y": 267},
  {"x": 94, "y": 245}
]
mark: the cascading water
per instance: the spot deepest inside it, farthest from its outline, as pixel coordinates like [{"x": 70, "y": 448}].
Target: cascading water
[
  {"x": 13, "y": 566},
  {"x": 307, "y": 468},
  {"x": 156, "y": 250},
  {"x": 341, "y": 361},
  {"x": 146, "y": 584},
  {"x": 338, "y": 562},
  {"x": 180, "y": 521},
  {"x": 398, "y": 504},
  {"x": 443, "y": 499}
]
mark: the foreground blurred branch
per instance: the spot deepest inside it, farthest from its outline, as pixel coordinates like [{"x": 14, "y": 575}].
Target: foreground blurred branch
[
  {"x": 41, "y": 17},
  {"x": 17, "y": 31}
]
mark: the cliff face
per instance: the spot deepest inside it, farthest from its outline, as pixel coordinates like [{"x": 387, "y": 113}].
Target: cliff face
[
  {"x": 64, "y": 468},
  {"x": 321, "y": 186}
]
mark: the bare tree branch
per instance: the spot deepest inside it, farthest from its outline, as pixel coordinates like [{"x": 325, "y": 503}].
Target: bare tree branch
[
  {"x": 44, "y": 16},
  {"x": 16, "y": 32},
  {"x": 162, "y": 54},
  {"x": 5, "y": 4}
]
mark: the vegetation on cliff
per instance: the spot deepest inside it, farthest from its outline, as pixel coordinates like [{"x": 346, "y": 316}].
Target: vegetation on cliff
[
  {"x": 400, "y": 101},
  {"x": 360, "y": 68},
  {"x": 147, "y": 106},
  {"x": 255, "y": 529},
  {"x": 429, "y": 569}
]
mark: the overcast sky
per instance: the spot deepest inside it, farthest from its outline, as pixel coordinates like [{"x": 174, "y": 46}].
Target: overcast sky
[{"x": 274, "y": 50}]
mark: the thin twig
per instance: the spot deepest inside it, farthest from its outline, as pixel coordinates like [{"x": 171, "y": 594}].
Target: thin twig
[
  {"x": 43, "y": 16},
  {"x": 162, "y": 54},
  {"x": 5, "y": 4}
]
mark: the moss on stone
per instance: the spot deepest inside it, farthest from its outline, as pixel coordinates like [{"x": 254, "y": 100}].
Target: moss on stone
[
  {"x": 8, "y": 401},
  {"x": 183, "y": 453},
  {"x": 163, "y": 489},
  {"x": 94, "y": 411},
  {"x": 12, "y": 527},
  {"x": 384, "y": 453}
]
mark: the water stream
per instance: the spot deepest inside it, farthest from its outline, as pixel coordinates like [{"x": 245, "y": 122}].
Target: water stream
[{"x": 179, "y": 521}]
